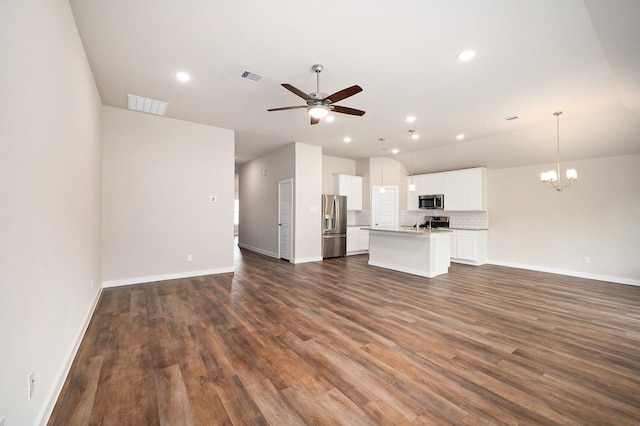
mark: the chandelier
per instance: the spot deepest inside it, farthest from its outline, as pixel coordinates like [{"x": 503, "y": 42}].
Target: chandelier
[{"x": 551, "y": 177}]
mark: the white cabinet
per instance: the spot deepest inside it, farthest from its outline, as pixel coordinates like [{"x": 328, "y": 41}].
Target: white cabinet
[
  {"x": 352, "y": 239},
  {"x": 433, "y": 183},
  {"x": 363, "y": 240},
  {"x": 474, "y": 189},
  {"x": 351, "y": 186},
  {"x": 412, "y": 196},
  {"x": 469, "y": 246},
  {"x": 357, "y": 240},
  {"x": 462, "y": 189},
  {"x": 453, "y": 192}
]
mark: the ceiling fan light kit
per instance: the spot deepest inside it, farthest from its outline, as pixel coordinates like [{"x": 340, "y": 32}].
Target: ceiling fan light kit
[
  {"x": 318, "y": 103},
  {"x": 318, "y": 111}
]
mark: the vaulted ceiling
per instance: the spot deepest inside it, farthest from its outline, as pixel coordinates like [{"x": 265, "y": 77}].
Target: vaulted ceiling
[{"x": 533, "y": 57}]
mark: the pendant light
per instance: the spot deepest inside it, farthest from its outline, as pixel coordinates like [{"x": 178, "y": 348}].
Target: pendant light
[
  {"x": 414, "y": 136},
  {"x": 382, "y": 166},
  {"x": 551, "y": 177}
]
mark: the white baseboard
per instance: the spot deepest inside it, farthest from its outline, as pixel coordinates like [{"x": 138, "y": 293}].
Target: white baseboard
[
  {"x": 307, "y": 260},
  {"x": 52, "y": 398},
  {"x": 608, "y": 278},
  {"x": 154, "y": 278},
  {"x": 258, "y": 250}
]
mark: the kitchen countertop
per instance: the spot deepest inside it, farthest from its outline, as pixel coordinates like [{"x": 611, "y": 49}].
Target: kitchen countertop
[
  {"x": 409, "y": 230},
  {"x": 469, "y": 229}
]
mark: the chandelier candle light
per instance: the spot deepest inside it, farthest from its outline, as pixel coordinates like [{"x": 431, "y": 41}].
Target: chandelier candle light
[{"x": 551, "y": 176}]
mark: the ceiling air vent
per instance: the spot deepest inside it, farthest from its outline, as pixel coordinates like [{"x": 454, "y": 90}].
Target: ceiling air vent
[
  {"x": 151, "y": 106},
  {"x": 252, "y": 76}
]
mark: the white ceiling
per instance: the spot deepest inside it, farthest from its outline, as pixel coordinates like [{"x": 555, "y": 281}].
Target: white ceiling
[{"x": 534, "y": 57}]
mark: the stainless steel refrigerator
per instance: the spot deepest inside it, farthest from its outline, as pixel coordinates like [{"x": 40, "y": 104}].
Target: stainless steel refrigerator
[{"x": 334, "y": 225}]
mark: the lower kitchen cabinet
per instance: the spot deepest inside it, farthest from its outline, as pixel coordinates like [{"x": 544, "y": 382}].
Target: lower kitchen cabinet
[
  {"x": 469, "y": 246},
  {"x": 357, "y": 240}
]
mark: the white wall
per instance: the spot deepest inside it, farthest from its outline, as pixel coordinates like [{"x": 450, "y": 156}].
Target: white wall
[
  {"x": 258, "y": 229},
  {"x": 50, "y": 192},
  {"x": 308, "y": 203},
  {"x": 335, "y": 165},
  {"x": 157, "y": 176},
  {"x": 599, "y": 216},
  {"x": 393, "y": 174},
  {"x": 363, "y": 168}
]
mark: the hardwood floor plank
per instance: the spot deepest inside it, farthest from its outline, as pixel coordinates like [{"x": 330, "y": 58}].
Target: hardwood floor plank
[
  {"x": 173, "y": 403},
  {"x": 240, "y": 407},
  {"x": 272, "y": 405},
  {"x": 84, "y": 383},
  {"x": 340, "y": 342}
]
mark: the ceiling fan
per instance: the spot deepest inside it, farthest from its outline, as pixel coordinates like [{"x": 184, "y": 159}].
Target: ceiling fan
[{"x": 318, "y": 103}]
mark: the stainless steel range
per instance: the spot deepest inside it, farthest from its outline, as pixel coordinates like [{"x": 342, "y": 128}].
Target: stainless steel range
[{"x": 434, "y": 222}]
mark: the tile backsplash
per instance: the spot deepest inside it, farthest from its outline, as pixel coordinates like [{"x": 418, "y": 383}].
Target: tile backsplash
[
  {"x": 358, "y": 217},
  {"x": 457, "y": 219}
]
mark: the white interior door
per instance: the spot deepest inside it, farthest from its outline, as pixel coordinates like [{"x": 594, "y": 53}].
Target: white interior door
[
  {"x": 384, "y": 207},
  {"x": 285, "y": 219}
]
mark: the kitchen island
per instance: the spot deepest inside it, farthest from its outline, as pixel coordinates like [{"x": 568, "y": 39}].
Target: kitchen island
[{"x": 424, "y": 252}]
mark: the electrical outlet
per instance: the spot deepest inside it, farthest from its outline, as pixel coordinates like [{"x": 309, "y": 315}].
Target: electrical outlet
[
  {"x": 189, "y": 258},
  {"x": 587, "y": 259},
  {"x": 32, "y": 384},
  {"x": 213, "y": 198}
]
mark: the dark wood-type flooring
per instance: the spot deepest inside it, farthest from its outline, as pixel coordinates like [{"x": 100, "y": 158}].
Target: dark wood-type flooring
[{"x": 340, "y": 342}]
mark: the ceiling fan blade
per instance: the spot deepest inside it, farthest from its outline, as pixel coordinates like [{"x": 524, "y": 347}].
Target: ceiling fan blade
[
  {"x": 347, "y": 110},
  {"x": 298, "y": 92},
  {"x": 286, "y": 108},
  {"x": 344, "y": 93},
  {"x": 315, "y": 120}
]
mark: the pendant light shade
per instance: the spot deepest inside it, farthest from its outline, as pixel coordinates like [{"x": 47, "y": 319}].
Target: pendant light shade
[
  {"x": 414, "y": 136},
  {"x": 382, "y": 165}
]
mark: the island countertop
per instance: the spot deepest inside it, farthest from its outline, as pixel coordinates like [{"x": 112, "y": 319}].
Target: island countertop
[
  {"x": 423, "y": 251},
  {"x": 424, "y": 232}
]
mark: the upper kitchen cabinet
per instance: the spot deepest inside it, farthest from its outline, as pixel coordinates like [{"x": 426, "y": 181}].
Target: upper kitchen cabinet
[
  {"x": 351, "y": 187},
  {"x": 474, "y": 189},
  {"x": 462, "y": 189},
  {"x": 412, "y": 196},
  {"x": 433, "y": 183}
]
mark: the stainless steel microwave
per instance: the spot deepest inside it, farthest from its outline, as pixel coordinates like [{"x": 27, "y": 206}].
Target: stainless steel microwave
[{"x": 431, "y": 201}]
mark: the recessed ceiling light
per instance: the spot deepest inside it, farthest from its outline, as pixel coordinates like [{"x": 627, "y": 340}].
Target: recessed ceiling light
[
  {"x": 347, "y": 139},
  {"x": 329, "y": 118},
  {"x": 183, "y": 76},
  {"x": 411, "y": 119},
  {"x": 460, "y": 137},
  {"x": 395, "y": 150},
  {"x": 466, "y": 55},
  {"x": 415, "y": 136}
]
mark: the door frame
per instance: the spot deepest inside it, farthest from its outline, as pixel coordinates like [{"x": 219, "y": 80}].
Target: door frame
[
  {"x": 291, "y": 224},
  {"x": 376, "y": 189}
]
